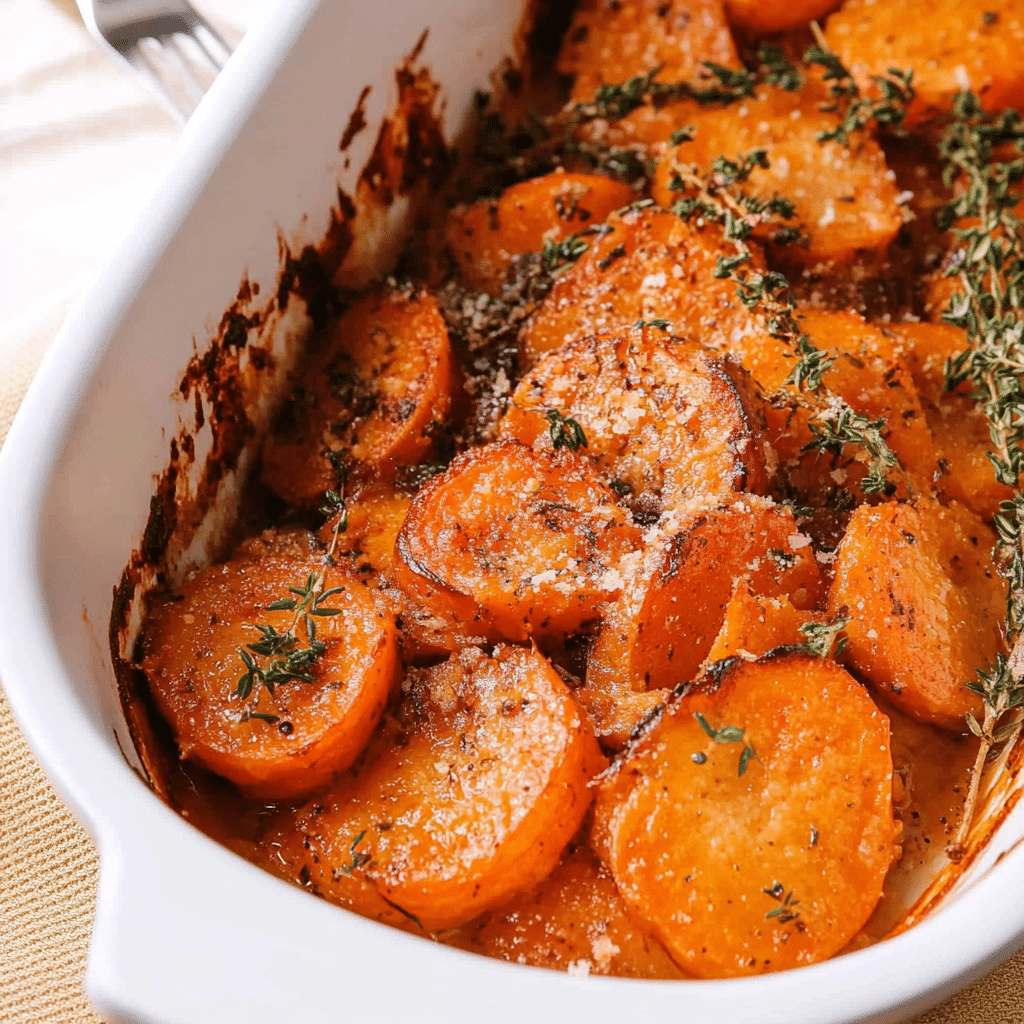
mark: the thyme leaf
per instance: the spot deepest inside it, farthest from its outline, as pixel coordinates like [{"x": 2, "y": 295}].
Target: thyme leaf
[
  {"x": 824, "y": 637},
  {"x": 565, "y": 431},
  {"x": 727, "y": 734},
  {"x": 786, "y": 910}
]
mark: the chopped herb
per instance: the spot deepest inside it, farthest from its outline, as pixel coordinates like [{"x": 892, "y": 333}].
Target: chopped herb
[
  {"x": 822, "y": 637},
  {"x": 786, "y": 910},
  {"x": 661, "y": 325},
  {"x": 776, "y": 70},
  {"x": 557, "y": 255},
  {"x": 727, "y": 734},
  {"x": 565, "y": 431},
  {"x": 617, "y": 253},
  {"x": 358, "y": 859}
]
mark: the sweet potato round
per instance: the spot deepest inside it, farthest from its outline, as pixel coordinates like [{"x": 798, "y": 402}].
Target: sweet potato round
[
  {"x": 926, "y": 605},
  {"x": 950, "y": 45},
  {"x": 606, "y": 45},
  {"x": 486, "y": 236},
  {"x": 766, "y": 16},
  {"x": 678, "y": 427},
  {"x": 514, "y": 543},
  {"x": 469, "y": 795},
  {"x": 651, "y": 265},
  {"x": 741, "y": 874},
  {"x": 373, "y": 394},
  {"x": 575, "y": 920},
  {"x": 190, "y": 655}
]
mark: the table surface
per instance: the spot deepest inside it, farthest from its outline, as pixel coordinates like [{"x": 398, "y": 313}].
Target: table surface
[{"x": 82, "y": 146}]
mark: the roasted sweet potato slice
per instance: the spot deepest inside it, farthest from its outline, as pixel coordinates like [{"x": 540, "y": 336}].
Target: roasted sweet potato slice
[
  {"x": 288, "y": 742},
  {"x": 755, "y": 625},
  {"x": 677, "y": 427},
  {"x": 950, "y": 44},
  {"x": 960, "y": 428},
  {"x": 372, "y": 395},
  {"x": 844, "y": 197},
  {"x": 926, "y": 605},
  {"x": 606, "y": 45},
  {"x": 751, "y": 826},
  {"x": 658, "y": 633},
  {"x": 486, "y": 236},
  {"x": 766, "y": 16},
  {"x": 651, "y": 265},
  {"x": 573, "y": 921},
  {"x": 514, "y": 543},
  {"x": 468, "y": 796}
]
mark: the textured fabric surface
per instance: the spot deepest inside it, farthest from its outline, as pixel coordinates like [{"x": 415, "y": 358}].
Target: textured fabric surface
[{"x": 48, "y": 865}]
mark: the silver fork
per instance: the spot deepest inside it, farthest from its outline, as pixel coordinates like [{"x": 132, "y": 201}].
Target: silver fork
[{"x": 174, "y": 50}]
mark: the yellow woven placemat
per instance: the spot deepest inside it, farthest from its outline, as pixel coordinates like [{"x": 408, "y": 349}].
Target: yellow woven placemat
[{"x": 49, "y": 867}]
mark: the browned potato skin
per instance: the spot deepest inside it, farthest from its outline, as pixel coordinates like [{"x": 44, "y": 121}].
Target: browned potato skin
[
  {"x": 467, "y": 797},
  {"x": 606, "y": 45},
  {"x": 514, "y": 543},
  {"x": 658, "y": 633},
  {"x": 574, "y": 918},
  {"x": 486, "y": 236},
  {"x": 376, "y": 390},
  {"x": 764, "y": 16},
  {"x": 926, "y": 605},
  {"x": 845, "y": 201},
  {"x": 651, "y": 265},
  {"x": 679, "y": 426},
  {"x": 948, "y": 43},
  {"x": 190, "y": 657},
  {"x": 824, "y": 833},
  {"x": 958, "y": 425}
]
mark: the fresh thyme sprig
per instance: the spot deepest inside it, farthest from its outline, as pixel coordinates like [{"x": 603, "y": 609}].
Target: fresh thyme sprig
[
  {"x": 718, "y": 197},
  {"x": 289, "y": 661},
  {"x": 895, "y": 88},
  {"x": 612, "y": 102},
  {"x": 983, "y": 156}
]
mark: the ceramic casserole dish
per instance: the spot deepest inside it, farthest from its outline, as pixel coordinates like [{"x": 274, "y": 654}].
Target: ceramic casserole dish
[{"x": 186, "y": 932}]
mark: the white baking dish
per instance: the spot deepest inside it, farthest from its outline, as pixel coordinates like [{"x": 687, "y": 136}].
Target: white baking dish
[{"x": 186, "y": 932}]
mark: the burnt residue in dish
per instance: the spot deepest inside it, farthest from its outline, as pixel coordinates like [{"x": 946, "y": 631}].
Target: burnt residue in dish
[
  {"x": 220, "y": 384},
  {"x": 410, "y": 150},
  {"x": 356, "y": 122}
]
